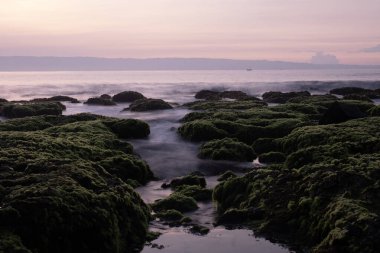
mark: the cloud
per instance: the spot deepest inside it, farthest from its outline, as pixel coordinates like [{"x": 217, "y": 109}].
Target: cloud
[
  {"x": 375, "y": 49},
  {"x": 322, "y": 58}
]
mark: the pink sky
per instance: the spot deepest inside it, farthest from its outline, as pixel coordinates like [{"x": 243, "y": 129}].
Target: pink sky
[{"x": 291, "y": 30}]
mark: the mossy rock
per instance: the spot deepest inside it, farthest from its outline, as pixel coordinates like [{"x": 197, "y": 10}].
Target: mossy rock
[
  {"x": 149, "y": 104},
  {"x": 199, "y": 130},
  {"x": 170, "y": 215},
  {"x": 283, "y": 97},
  {"x": 129, "y": 128},
  {"x": 374, "y": 111},
  {"x": 127, "y": 96},
  {"x": 63, "y": 175},
  {"x": 177, "y": 202},
  {"x": 272, "y": 157},
  {"x": 226, "y": 175},
  {"x": 57, "y": 99},
  {"x": 100, "y": 101},
  {"x": 197, "y": 192},
  {"x": 13, "y": 110},
  {"x": 207, "y": 94},
  {"x": 199, "y": 229},
  {"x": 322, "y": 198},
  {"x": 356, "y": 91},
  {"x": 227, "y": 149},
  {"x": 189, "y": 180}
]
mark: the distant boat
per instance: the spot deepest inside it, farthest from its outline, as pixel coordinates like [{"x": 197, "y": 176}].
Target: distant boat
[{"x": 249, "y": 69}]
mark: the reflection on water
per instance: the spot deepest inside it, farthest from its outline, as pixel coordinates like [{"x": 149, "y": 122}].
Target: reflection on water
[{"x": 219, "y": 240}]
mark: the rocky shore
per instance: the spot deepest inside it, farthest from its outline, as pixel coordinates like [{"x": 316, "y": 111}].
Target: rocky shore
[{"x": 67, "y": 182}]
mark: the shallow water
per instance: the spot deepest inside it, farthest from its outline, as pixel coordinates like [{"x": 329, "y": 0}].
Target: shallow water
[
  {"x": 167, "y": 154},
  {"x": 219, "y": 240}
]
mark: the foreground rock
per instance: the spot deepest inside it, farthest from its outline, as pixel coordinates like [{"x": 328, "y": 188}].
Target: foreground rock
[
  {"x": 149, "y": 104},
  {"x": 127, "y": 96},
  {"x": 65, "y": 186},
  {"x": 21, "y": 110},
  {"x": 323, "y": 197}
]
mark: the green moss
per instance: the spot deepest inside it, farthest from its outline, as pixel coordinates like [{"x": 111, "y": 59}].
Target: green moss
[
  {"x": 69, "y": 174},
  {"x": 323, "y": 197},
  {"x": 177, "y": 202},
  {"x": 226, "y": 175},
  {"x": 13, "y": 110},
  {"x": 148, "y": 104},
  {"x": 127, "y": 96},
  {"x": 272, "y": 157},
  {"x": 195, "y": 191},
  {"x": 100, "y": 101},
  {"x": 170, "y": 215},
  {"x": 152, "y": 235},
  {"x": 188, "y": 180},
  {"x": 227, "y": 149},
  {"x": 129, "y": 128},
  {"x": 374, "y": 111}
]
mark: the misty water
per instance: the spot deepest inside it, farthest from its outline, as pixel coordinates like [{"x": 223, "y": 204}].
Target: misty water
[{"x": 166, "y": 152}]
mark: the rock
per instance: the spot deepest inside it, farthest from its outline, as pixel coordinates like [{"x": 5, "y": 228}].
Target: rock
[
  {"x": 199, "y": 230},
  {"x": 149, "y": 104},
  {"x": 283, "y": 97},
  {"x": 56, "y": 99},
  {"x": 70, "y": 174},
  {"x": 272, "y": 157},
  {"x": 226, "y": 175},
  {"x": 177, "y": 202},
  {"x": 357, "y": 91},
  {"x": 106, "y": 96},
  {"x": 127, "y": 96},
  {"x": 234, "y": 94},
  {"x": 2, "y": 100},
  {"x": 170, "y": 215},
  {"x": 188, "y": 180},
  {"x": 227, "y": 149},
  {"x": 197, "y": 192},
  {"x": 12, "y": 110},
  {"x": 339, "y": 112},
  {"x": 129, "y": 128},
  {"x": 100, "y": 101},
  {"x": 207, "y": 94},
  {"x": 357, "y": 97},
  {"x": 374, "y": 111}
]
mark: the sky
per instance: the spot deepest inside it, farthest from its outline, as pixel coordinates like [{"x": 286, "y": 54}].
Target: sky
[{"x": 285, "y": 30}]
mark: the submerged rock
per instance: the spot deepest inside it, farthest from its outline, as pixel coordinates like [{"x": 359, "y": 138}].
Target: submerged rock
[
  {"x": 149, "y": 104},
  {"x": 189, "y": 180},
  {"x": 127, "y": 96},
  {"x": 70, "y": 174}
]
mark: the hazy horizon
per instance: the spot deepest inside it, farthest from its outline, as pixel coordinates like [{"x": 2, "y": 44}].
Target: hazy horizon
[{"x": 336, "y": 31}]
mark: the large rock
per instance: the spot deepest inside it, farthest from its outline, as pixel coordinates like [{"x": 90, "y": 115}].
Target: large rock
[
  {"x": 68, "y": 187},
  {"x": 149, "y": 104},
  {"x": 127, "y": 96}
]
